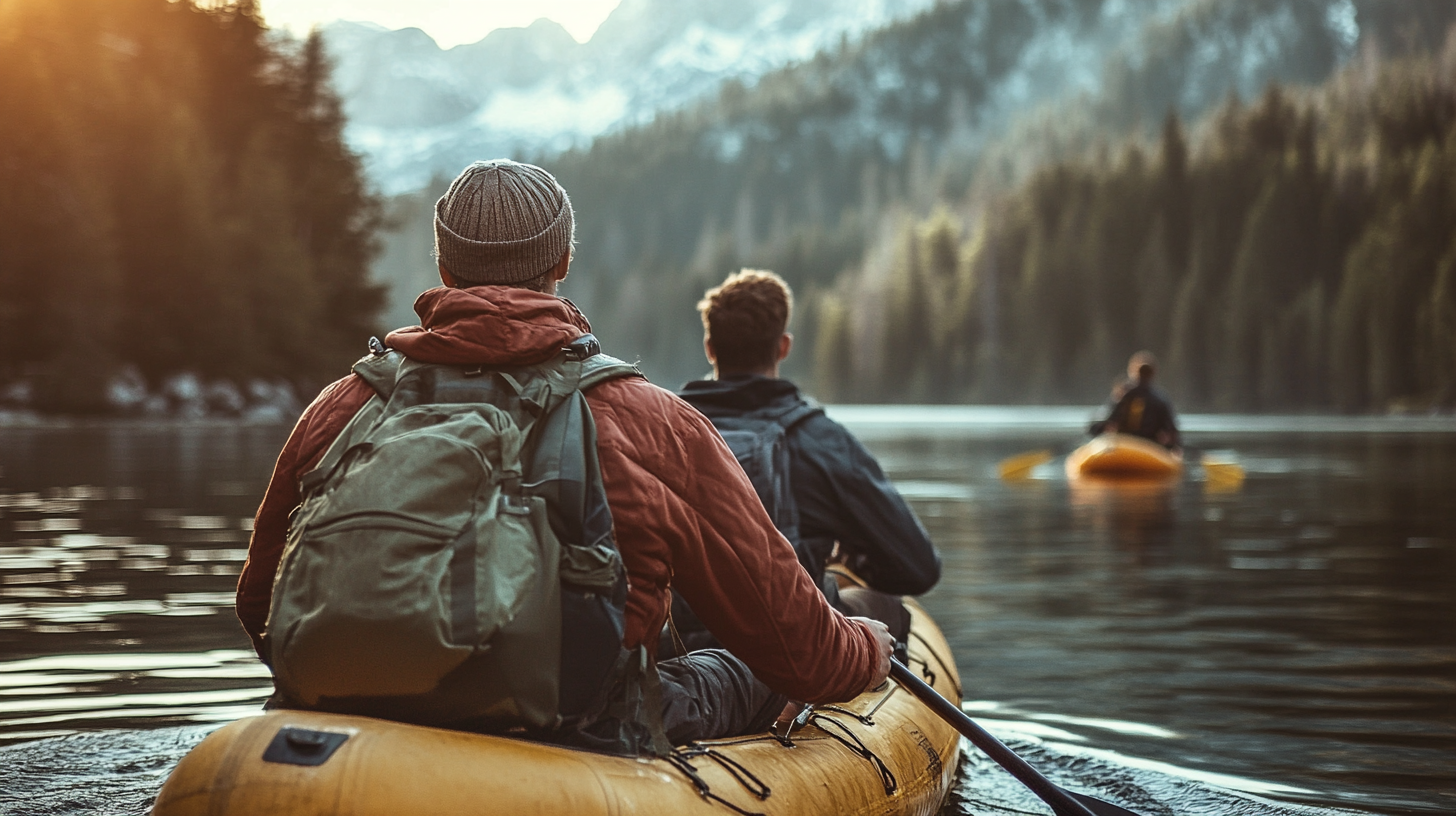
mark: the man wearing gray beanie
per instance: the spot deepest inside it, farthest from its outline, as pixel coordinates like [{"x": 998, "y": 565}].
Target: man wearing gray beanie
[
  {"x": 504, "y": 223},
  {"x": 683, "y": 514}
]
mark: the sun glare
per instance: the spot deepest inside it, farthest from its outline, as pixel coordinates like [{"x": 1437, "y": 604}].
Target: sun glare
[{"x": 449, "y": 22}]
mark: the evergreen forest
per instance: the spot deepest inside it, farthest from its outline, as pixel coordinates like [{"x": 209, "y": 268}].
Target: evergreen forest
[
  {"x": 1297, "y": 253},
  {"x": 175, "y": 196},
  {"x": 1275, "y": 224},
  {"x": 993, "y": 201}
]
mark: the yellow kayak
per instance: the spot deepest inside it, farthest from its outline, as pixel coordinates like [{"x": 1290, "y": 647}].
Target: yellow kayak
[
  {"x": 882, "y": 753},
  {"x": 1123, "y": 456}
]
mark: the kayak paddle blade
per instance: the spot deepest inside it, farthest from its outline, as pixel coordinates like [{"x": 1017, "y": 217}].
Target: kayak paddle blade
[
  {"x": 1021, "y": 465},
  {"x": 1226, "y": 473}
]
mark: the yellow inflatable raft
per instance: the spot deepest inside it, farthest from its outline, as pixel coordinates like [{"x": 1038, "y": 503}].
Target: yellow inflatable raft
[
  {"x": 882, "y": 753},
  {"x": 1123, "y": 456}
]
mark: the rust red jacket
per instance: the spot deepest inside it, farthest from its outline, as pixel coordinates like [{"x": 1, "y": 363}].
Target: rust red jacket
[{"x": 684, "y": 513}]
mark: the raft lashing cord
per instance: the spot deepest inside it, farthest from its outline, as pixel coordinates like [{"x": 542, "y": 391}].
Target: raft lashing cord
[
  {"x": 929, "y": 673},
  {"x": 857, "y": 747},
  {"x": 755, "y": 786},
  {"x": 811, "y": 715}
]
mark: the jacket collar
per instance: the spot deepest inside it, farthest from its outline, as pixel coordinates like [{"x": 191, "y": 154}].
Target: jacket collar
[
  {"x": 489, "y": 325},
  {"x": 747, "y": 392}
]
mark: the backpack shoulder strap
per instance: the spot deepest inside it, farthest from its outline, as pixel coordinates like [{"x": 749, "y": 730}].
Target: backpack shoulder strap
[
  {"x": 599, "y": 368},
  {"x": 380, "y": 368},
  {"x": 798, "y": 413},
  {"x": 355, "y": 430}
]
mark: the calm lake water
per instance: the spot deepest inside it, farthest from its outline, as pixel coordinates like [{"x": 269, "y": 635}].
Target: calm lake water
[{"x": 1286, "y": 647}]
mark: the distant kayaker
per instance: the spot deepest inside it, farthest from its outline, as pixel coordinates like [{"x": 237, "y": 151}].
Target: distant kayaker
[
  {"x": 683, "y": 515},
  {"x": 846, "y": 508},
  {"x": 1141, "y": 409}
]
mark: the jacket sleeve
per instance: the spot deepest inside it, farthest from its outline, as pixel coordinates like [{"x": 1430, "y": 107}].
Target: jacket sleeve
[
  {"x": 686, "y": 515},
  {"x": 857, "y": 503},
  {"x": 320, "y": 424}
]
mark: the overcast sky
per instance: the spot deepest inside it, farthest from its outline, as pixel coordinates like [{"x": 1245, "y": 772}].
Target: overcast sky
[{"x": 450, "y": 22}]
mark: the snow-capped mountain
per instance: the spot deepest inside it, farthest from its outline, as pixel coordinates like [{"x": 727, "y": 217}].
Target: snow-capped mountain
[
  {"x": 803, "y": 169},
  {"x": 417, "y": 111}
]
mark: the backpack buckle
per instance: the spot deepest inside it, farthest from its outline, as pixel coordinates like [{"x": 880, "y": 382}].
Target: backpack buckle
[
  {"x": 583, "y": 347},
  {"x": 512, "y": 499},
  {"x": 514, "y": 505}
]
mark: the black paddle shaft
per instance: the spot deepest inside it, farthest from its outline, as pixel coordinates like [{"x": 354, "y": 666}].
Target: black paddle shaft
[{"x": 1063, "y": 802}]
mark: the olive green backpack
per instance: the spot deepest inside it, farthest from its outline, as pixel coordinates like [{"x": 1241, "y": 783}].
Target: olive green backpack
[{"x": 452, "y": 560}]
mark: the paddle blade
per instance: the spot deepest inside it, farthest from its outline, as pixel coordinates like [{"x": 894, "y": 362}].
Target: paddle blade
[
  {"x": 1223, "y": 473},
  {"x": 1021, "y": 465}
]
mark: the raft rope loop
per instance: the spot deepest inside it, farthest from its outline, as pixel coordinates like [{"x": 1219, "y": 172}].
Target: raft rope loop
[
  {"x": 929, "y": 673},
  {"x": 856, "y": 746},
  {"x": 830, "y": 727},
  {"x": 680, "y": 757},
  {"x": 840, "y": 733},
  {"x": 864, "y": 719}
]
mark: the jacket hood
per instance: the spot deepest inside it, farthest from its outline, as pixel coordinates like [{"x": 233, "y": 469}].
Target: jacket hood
[
  {"x": 748, "y": 392},
  {"x": 488, "y": 325}
]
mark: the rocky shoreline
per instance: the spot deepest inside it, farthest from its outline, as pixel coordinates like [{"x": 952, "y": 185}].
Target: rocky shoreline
[{"x": 184, "y": 397}]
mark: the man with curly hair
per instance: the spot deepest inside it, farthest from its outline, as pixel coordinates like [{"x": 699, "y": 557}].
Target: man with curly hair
[{"x": 847, "y": 510}]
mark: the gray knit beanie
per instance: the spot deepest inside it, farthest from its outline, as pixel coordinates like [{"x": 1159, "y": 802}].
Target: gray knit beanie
[{"x": 502, "y": 222}]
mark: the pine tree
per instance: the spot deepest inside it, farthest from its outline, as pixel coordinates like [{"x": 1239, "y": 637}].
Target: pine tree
[
  {"x": 175, "y": 195},
  {"x": 1174, "y": 195}
]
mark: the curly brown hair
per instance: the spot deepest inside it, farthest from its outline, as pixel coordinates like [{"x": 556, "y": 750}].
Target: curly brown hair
[{"x": 745, "y": 316}]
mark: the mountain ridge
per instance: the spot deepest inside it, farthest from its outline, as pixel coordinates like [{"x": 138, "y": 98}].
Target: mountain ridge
[
  {"x": 417, "y": 111},
  {"x": 807, "y": 169}
]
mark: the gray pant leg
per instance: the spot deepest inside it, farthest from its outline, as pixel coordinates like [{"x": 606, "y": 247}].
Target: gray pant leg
[{"x": 710, "y": 694}]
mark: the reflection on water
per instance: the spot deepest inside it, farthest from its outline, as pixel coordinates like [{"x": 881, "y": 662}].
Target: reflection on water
[
  {"x": 1137, "y": 515},
  {"x": 1159, "y": 645},
  {"x": 1294, "y": 637},
  {"x": 53, "y": 696},
  {"x": 119, "y": 549}
]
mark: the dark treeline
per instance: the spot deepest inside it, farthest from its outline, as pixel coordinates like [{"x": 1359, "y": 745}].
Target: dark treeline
[
  {"x": 809, "y": 171},
  {"x": 1299, "y": 255},
  {"x": 794, "y": 173},
  {"x": 174, "y": 196}
]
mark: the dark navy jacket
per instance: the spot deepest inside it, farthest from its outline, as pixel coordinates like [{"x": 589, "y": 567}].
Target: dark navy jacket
[
  {"x": 1145, "y": 411},
  {"x": 841, "y": 492}
]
